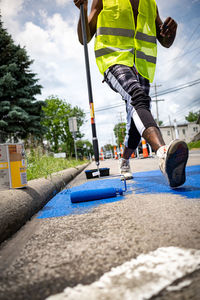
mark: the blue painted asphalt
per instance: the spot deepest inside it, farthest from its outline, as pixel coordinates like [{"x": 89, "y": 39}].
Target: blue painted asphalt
[
  {"x": 61, "y": 205},
  {"x": 151, "y": 182}
]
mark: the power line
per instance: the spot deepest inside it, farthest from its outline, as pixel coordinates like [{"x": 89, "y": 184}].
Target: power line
[
  {"x": 182, "y": 67},
  {"x": 186, "y": 45},
  {"x": 177, "y": 88},
  {"x": 191, "y": 104},
  {"x": 185, "y": 109},
  {"x": 164, "y": 92},
  {"x": 180, "y": 56},
  {"x": 183, "y": 51}
]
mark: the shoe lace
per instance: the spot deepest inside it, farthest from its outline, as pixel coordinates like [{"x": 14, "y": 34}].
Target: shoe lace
[{"x": 125, "y": 164}]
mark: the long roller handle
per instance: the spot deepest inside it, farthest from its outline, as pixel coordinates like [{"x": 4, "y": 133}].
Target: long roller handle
[{"x": 89, "y": 85}]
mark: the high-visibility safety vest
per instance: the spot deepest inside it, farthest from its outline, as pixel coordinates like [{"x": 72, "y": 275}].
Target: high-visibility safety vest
[{"x": 119, "y": 42}]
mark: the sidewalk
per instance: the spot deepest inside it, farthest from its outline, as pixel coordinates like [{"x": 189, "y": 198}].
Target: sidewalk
[{"x": 17, "y": 206}]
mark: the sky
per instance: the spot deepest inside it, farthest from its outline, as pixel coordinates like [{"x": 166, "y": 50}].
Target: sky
[{"x": 48, "y": 30}]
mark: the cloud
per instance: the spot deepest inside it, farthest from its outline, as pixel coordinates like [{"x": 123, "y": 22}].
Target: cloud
[
  {"x": 176, "y": 67},
  {"x": 62, "y": 2},
  {"x": 10, "y": 11},
  {"x": 165, "y": 7},
  {"x": 11, "y": 8}
]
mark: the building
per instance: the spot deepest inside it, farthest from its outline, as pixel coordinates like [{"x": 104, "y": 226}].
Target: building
[{"x": 186, "y": 132}]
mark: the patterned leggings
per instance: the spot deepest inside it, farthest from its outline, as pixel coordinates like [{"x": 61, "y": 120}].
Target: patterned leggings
[{"x": 134, "y": 89}]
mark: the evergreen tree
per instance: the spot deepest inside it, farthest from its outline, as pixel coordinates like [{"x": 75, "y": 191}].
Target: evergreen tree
[{"x": 20, "y": 112}]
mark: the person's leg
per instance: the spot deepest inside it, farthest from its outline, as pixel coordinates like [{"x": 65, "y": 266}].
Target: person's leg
[
  {"x": 153, "y": 136},
  {"x": 134, "y": 89},
  {"x": 172, "y": 157},
  {"x": 124, "y": 80},
  {"x": 131, "y": 142},
  {"x": 127, "y": 152}
]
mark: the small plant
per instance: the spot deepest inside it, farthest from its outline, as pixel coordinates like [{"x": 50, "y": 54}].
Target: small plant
[
  {"x": 193, "y": 145},
  {"x": 43, "y": 166}
]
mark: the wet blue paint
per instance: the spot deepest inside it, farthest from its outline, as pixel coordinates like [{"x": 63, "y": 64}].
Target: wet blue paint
[
  {"x": 151, "y": 182},
  {"x": 61, "y": 205}
]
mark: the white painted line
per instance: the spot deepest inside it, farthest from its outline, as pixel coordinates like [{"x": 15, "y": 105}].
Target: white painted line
[
  {"x": 179, "y": 286},
  {"x": 139, "y": 278}
]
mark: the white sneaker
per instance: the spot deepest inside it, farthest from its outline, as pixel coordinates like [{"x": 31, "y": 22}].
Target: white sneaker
[
  {"x": 172, "y": 162},
  {"x": 125, "y": 169}
]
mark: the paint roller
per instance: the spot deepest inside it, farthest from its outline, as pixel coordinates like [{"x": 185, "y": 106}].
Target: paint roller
[{"x": 95, "y": 194}]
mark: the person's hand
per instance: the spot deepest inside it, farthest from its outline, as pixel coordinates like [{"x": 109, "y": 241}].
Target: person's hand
[
  {"x": 79, "y": 2},
  {"x": 168, "y": 28}
]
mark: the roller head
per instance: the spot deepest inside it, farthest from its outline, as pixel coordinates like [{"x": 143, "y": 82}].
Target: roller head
[{"x": 94, "y": 194}]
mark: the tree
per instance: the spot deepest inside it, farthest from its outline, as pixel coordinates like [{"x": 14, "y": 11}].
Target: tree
[
  {"x": 160, "y": 123},
  {"x": 192, "y": 117},
  {"x": 57, "y": 112},
  {"x": 20, "y": 112},
  {"x": 120, "y": 132},
  {"x": 108, "y": 147},
  {"x": 84, "y": 148}
]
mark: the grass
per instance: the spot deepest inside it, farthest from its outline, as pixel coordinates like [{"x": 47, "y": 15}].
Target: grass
[
  {"x": 43, "y": 166},
  {"x": 194, "y": 145}
]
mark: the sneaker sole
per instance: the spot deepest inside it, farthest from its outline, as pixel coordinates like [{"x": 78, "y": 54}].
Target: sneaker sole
[
  {"x": 177, "y": 156},
  {"x": 126, "y": 176}
]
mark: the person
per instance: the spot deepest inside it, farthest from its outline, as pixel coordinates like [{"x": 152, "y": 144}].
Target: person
[{"x": 126, "y": 34}]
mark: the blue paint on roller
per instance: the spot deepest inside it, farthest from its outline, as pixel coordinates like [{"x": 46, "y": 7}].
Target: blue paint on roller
[{"x": 95, "y": 194}]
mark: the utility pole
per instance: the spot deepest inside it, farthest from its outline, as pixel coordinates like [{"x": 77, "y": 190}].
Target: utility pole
[
  {"x": 176, "y": 129},
  {"x": 121, "y": 127},
  {"x": 73, "y": 129},
  {"x": 157, "y": 100},
  {"x": 170, "y": 124},
  {"x": 120, "y": 113}
]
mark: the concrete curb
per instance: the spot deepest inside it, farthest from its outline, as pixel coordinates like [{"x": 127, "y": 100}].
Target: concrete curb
[{"x": 17, "y": 206}]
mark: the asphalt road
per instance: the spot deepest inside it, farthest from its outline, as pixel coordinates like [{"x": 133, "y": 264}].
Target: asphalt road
[{"x": 59, "y": 248}]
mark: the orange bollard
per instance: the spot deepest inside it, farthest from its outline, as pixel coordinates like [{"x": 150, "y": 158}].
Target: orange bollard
[
  {"x": 121, "y": 150},
  {"x": 101, "y": 154},
  {"x": 133, "y": 155},
  {"x": 144, "y": 148},
  {"x": 115, "y": 152}
]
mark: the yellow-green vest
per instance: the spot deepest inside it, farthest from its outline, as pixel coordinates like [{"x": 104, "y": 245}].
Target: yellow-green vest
[{"x": 119, "y": 42}]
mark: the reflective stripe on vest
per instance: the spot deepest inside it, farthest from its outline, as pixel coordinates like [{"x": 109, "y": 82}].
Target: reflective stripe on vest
[
  {"x": 119, "y": 42},
  {"x": 108, "y": 50},
  {"x": 149, "y": 58},
  {"x": 126, "y": 33},
  {"x": 115, "y": 31},
  {"x": 145, "y": 37}
]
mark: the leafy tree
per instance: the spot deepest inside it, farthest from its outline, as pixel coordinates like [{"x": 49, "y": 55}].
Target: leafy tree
[
  {"x": 57, "y": 113},
  {"x": 84, "y": 148},
  {"x": 160, "y": 123},
  {"x": 20, "y": 112},
  {"x": 120, "y": 132},
  {"x": 192, "y": 117},
  {"x": 108, "y": 147}
]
